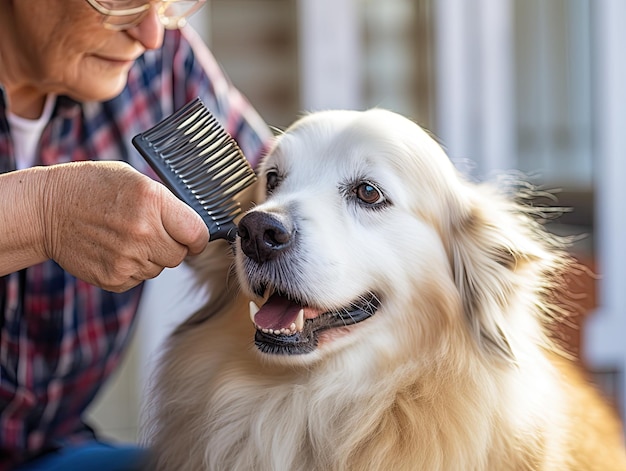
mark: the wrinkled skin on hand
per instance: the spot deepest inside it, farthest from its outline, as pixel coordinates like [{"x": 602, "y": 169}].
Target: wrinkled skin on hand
[{"x": 114, "y": 227}]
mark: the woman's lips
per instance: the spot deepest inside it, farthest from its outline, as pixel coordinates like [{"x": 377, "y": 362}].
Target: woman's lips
[{"x": 115, "y": 60}]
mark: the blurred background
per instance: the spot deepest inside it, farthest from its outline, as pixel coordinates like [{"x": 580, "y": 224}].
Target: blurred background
[{"x": 537, "y": 86}]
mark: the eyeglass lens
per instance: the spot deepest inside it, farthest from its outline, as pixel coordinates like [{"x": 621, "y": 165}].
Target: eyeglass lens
[{"x": 172, "y": 13}]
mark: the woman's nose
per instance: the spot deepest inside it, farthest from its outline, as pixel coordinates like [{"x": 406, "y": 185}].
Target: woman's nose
[{"x": 149, "y": 32}]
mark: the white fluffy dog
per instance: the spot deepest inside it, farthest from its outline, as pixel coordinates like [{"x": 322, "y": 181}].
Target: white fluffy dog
[{"x": 398, "y": 323}]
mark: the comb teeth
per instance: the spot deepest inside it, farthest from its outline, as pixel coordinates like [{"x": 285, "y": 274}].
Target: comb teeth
[{"x": 201, "y": 163}]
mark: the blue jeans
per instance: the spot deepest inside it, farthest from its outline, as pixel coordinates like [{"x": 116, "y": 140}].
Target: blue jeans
[{"x": 91, "y": 456}]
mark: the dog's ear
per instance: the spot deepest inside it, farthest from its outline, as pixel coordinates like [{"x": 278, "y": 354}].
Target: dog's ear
[{"x": 498, "y": 264}]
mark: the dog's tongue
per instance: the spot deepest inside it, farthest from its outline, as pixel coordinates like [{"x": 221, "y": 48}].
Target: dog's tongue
[{"x": 277, "y": 313}]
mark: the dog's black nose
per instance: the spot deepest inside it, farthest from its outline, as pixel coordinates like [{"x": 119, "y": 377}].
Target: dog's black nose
[{"x": 264, "y": 236}]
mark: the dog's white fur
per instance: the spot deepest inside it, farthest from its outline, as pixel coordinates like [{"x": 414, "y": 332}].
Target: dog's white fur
[{"x": 454, "y": 370}]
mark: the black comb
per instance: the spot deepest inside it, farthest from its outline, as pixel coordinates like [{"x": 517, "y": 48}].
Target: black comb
[{"x": 201, "y": 163}]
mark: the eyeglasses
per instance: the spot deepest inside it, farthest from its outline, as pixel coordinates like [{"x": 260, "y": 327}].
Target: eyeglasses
[{"x": 124, "y": 14}]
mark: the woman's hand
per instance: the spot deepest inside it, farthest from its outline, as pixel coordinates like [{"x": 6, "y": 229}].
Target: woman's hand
[{"x": 108, "y": 224}]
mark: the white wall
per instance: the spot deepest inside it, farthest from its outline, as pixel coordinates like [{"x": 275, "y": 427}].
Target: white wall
[
  {"x": 329, "y": 54},
  {"x": 475, "y": 114},
  {"x": 606, "y": 329}
]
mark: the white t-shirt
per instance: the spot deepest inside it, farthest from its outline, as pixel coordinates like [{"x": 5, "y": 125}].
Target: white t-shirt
[{"x": 26, "y": 134}]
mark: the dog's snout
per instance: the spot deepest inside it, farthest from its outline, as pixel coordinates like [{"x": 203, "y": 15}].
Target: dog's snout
[{"x": 264, "y": 236}]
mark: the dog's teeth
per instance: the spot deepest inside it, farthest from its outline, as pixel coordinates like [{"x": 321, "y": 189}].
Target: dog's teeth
[
  {"x": 294, "y": 327},
  {"x": 298, "y": 325},
  {"x": 253, "y": 310}
]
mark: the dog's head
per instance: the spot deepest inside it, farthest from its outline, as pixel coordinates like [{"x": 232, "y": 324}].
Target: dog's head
[{"x": 366, "y": 227}]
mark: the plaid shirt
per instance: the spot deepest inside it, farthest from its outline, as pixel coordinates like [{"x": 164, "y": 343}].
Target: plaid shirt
[{"x": 60, "y": 337}]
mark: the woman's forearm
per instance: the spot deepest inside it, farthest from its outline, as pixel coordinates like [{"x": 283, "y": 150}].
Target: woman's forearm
[{"x": 21, "y": 231}]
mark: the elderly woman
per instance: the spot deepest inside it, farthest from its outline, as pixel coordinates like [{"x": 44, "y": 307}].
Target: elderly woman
[{"x": 80, "y": 228}]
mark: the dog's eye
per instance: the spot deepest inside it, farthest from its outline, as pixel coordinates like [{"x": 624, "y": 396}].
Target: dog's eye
[
  {"x": 369, "y": 194},
  {"x": 272, "y": 179}
]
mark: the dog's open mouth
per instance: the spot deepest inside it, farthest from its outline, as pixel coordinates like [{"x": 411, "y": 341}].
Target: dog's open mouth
[{"x": 284, "y": 327}]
